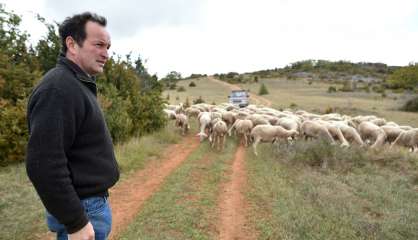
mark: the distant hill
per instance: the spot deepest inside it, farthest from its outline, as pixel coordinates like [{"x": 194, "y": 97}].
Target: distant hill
[{"x": 319, "y": 70}]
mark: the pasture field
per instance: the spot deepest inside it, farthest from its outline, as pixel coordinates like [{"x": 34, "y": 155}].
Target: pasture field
[
  {"x": 209, "y": 91},
  {"x": 362, "y": 194},
  {"x": 22, "y": 213},
  {"x": 314, "y": 97}
]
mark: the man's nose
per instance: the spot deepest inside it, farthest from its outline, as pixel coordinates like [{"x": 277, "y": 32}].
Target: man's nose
[{"x": 105, "y": 54}]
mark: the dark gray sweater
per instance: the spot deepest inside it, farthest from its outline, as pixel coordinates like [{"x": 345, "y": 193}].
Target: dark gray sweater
[{"x": 70, "y": 152}]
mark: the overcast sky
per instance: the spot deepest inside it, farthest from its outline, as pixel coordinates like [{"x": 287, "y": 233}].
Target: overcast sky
[{"x": 219, "y": 36}]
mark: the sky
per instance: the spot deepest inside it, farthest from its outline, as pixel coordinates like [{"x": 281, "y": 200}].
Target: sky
[{"x": 220, "y": 36}]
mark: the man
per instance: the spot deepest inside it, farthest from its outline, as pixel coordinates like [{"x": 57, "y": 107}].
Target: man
[{"x": 70, "y": 158}]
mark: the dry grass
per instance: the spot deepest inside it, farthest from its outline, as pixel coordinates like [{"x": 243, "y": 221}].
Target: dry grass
[
  {"x": 210, "y": 92},
  {"x": 314, "y": 97}
]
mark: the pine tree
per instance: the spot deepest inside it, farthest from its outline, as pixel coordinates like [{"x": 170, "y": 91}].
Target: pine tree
[{"x": 263, "y": 90}]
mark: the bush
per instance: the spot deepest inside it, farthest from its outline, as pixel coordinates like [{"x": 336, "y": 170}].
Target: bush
[
  {"x": 378, "y": 89},
  {"x": 347, "y": 87},
  {"x": 293, "y": 105},
  {"x": 329, "y": 110},
  {"x": 172, "y": 86},
  {"x": 115, "y": 110},
  {"x": 256, "y": 79},
  {"x": 198, "y": 100},
  {"x": 411, "y": 105},
  {"x": 192, "y": 84},
  {"x": 13, "y": 132},
  {"x": 263, "y": 90},
  {"x": 332, "y": 89},
  {"x": 187, "y": 103},
  {"x": 398, "y": 90},
  {"x": 181, "y": 89}
]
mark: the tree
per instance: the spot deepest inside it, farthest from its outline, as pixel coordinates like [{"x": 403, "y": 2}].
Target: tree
[
  {"x": 263, "y": 90},
  {"x": 404, "y": 77},
  {"x": 48, "y": 47}
]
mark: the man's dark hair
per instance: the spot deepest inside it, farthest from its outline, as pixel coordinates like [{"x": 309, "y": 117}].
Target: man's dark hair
[{"x": 75, "y": 27}]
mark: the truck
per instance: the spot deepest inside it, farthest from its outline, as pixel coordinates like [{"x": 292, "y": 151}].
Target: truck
[{"x": 239, "y": 98}]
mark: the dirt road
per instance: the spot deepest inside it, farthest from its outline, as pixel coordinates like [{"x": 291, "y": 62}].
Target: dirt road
[{"x": 259, "y": 100}]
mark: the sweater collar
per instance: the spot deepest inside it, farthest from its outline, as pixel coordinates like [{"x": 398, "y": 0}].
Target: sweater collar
[{"x": 79, "y": 73}]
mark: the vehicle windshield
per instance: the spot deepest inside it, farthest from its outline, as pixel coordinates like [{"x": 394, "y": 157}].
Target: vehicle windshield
[{"x": 239, "y": 94}]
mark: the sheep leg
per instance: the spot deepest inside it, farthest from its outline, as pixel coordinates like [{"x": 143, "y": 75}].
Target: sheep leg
[
  {"x": 256, "y": 141},
  {"x": 396, "y": 141},
  {"x": 230, "y": 129},
  {"x": 245, "y": 140},
  {"x": 223, "y": 142}
]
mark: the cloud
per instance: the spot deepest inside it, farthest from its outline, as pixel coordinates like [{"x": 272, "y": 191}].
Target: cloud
[
  {"x": 126, "y": 18},
  {"x": 245, "y": 35}
]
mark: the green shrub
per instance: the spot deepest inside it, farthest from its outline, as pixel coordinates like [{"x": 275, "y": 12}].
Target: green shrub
[
  {"x": 263, "y": 90},
  {"x": 192, "y": 84},
  {"x": 198, "y": 100},
  {"x": 398, "y": 90},
  {"x": 329, "y": 110},
  {"x": 13, "y": 132},
  {"x": 378, "y": 89},
  {"x": 181, "y": 89},
  {"x": 332, "y": 89},
  {"x": 187, "y": 103},
  {"x": 115, "y": 110},
  {"x": 172, "y": 86},
  {"x": 347, "y": 87},
  {"x": 411, "y": 105}
]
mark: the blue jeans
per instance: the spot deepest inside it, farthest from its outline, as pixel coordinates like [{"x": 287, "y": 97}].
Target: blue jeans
[{"x": 99, "y": 214}]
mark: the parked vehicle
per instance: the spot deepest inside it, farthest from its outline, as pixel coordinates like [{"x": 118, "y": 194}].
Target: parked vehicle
[{"x": 239, "y": 98}]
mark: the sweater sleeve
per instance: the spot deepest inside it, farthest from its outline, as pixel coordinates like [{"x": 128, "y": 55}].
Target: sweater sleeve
[{"x": 52, "y": 128}]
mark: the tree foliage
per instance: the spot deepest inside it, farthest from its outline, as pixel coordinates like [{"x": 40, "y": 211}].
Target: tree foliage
[
  {"x": 404, "y": 77},
  {"x": 130, "y": 97},
  {"x": 263, "y": 90}
]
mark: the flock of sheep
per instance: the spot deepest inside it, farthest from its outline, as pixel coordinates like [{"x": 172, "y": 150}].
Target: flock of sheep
[{"x": 254, "y": 124}]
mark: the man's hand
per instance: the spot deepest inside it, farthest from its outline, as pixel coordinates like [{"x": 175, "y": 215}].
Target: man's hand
[{"x": 86, "y": 233}]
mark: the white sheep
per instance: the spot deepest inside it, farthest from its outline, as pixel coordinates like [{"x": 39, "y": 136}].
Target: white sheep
[
  {"x": 335, "y": 132},
  {"x": 182, "y": 122},
  {"x": 242, "y": 129},
  {"x": 372, "y": 132},
  {"x": 170, "y": 114},
  {"x": 228, "y": 117},
  {"x": 350, "y": 133},
  {"x": 408, "y": 139},
  {"x": 192, "y": 112},
  {"x": 391, "y": 132},
  {"x": 204, "y": 121},
  {"x": 218, "y": 135},
  {"x": 269, "y": 133},
  {"x": 313, "y": 129}
]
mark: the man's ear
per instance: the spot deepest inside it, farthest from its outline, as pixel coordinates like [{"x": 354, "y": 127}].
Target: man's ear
[{"x": 71, "y": 44}]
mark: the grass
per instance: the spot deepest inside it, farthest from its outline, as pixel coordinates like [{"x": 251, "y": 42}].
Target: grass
[
  {"x": 315, "y": 98},
  {"x": 136, "y": 153},
  {"x": 186, "y": 206},
  {"x": 361, "y": 195},
  {"x": 208, "y": 90},
  {"x": 21, "y": 211}
]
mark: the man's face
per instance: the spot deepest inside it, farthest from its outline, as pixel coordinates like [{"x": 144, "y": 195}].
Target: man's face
[{"x": 92, "y": 56}]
